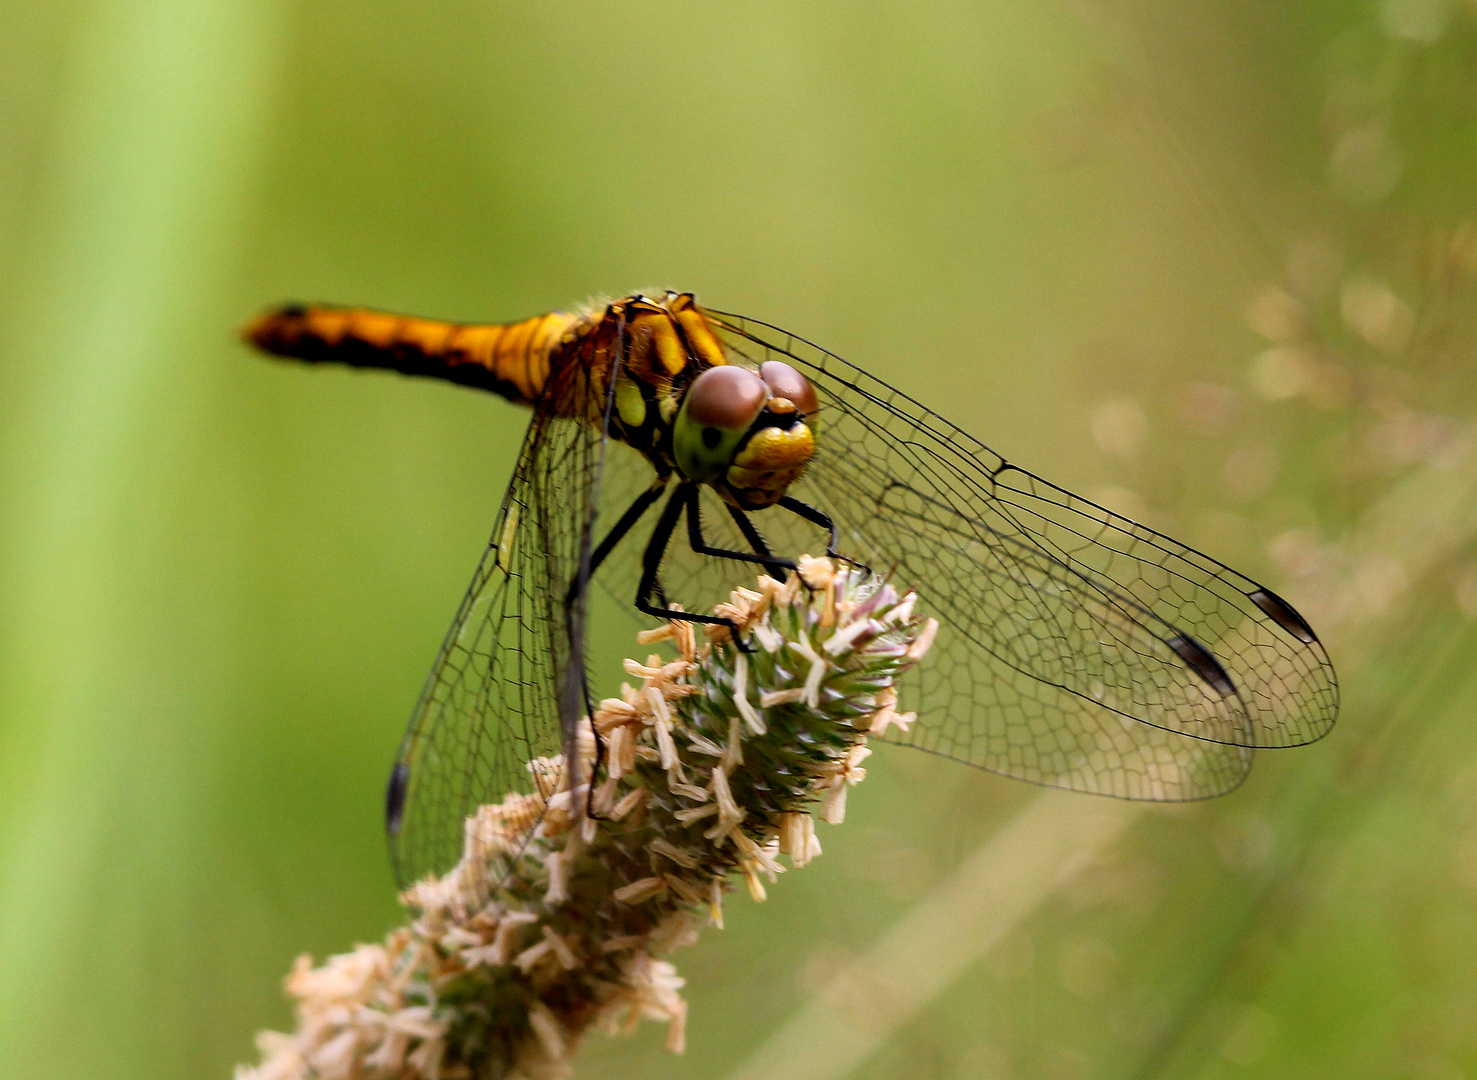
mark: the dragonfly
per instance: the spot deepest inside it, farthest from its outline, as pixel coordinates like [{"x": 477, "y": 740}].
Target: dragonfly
[{"x": 672, "y": 444}]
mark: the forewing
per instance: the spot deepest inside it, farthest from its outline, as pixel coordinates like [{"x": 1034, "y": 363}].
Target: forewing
[
  {"x": 1077, "y": 648},
  {"x": 499, "y": 695}
]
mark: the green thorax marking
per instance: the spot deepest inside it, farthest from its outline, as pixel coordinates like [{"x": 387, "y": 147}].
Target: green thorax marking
[{"x": 645, "y": 412}]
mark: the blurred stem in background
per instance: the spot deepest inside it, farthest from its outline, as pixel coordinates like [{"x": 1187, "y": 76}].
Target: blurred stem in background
[{"x": 133, "y": 228}]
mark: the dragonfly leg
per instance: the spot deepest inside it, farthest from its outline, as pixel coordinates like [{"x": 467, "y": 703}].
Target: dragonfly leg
[
  {"x": 633, "y": 514},
  {"x": 599, "y": 763},
  {"x": 817, "y": 517},
  {"x": 752, "y": 535},
  {"x": 651, "y": 564},
  {"x": 698, "y": 544}
]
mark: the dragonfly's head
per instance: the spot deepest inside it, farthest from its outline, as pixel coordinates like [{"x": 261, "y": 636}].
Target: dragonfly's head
[{"x": 748, "y": 434}]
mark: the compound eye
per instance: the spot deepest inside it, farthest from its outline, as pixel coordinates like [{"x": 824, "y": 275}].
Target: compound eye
[
  {"x": 784, "y": 381},
  {"x": 728, "y": 398}
]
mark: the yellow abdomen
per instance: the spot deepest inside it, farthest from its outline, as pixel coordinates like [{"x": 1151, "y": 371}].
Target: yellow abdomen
[{"x": 513, "y": 360}]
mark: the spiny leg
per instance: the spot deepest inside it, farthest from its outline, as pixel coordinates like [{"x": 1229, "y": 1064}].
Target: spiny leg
[
  {"x": 815, "y": 517},
  {"x": 651, "y": 563},
  {"x": 753, "y": 536},
  {"x": 632, "y": 515},
  {"x": 700, "y": 546},
  {"x": 618, "y": 531}
]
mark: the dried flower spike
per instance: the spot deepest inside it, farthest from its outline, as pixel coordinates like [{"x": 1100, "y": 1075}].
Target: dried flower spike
[{"x": 716, "y": 765}]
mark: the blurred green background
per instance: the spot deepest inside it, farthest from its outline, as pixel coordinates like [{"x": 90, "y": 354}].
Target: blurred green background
[{"x": 1212, "y": 264}]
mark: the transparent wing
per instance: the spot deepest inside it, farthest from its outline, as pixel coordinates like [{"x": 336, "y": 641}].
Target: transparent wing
[
  {"x": 508, "y": 684},
  {"x": 1077, "y": 648}
]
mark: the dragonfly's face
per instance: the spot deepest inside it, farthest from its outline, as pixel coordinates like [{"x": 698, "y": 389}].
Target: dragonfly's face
[{"x": 749, "y": 435}]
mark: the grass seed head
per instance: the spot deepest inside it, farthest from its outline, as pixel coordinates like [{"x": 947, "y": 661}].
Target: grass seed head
[{"x": 552, "y": 923}]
